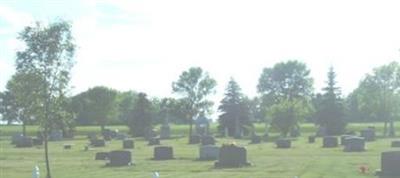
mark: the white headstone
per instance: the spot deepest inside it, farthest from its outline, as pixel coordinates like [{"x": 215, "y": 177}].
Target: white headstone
[{"x": 156, "y": 175}]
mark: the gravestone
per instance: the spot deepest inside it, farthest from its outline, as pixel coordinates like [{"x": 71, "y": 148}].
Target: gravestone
[
  {"x": 330, "y": 142},
  {"x": 311, "y": 139},
  {"x": 101, "y": 156},
  {"x": 390, "y": 165},
  {"x": 107, "y": 134},
  {"x": 16, "y": 137},
  {"x": 37, "y": 141},
  {"x": 24, "y": 142},
  {"x": 154, "y": 141},
  {"x": 128, "y": 144},
  {"x": 163, "y": 153},
  {"x": 119, "y": 158},
  {"x": 283, "y": 143},
  {"x": 231, "y": 156},
  {"x": 266, "y": 137},
  {"x": 255, "y": 139},
  {"x": 207, "y": 140},
  {"x": 209, "y": 152},
  {"x": 202, "y": 125},
  {"x": 354, "y": 144},
  {"x": 396, "y": 144},
  {"x": 121, "y": 136},
  {"x": 67, "y": 146},
  {"x": 56, "y": 135},
  {"x": 368, "y": 134},
  {"x": 195, "y": 139},
  {"x": 343, "y": 139},
  {"x": 165, "y": 132},
  {"x": 98, "y": 143}
]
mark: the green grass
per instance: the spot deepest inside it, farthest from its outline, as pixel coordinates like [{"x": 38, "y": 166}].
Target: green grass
[{"x": 303, "y": 160}]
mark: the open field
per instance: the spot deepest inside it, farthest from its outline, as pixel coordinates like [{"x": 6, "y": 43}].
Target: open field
[{"x": 303, "y": 160}]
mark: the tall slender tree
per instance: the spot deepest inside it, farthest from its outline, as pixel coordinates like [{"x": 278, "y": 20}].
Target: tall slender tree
[{"x": 49, "y": 53}]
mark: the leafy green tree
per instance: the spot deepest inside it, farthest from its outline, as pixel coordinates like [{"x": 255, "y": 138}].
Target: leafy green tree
[
  {"x": 379, "y": 95},
  {"x": 286, "y": 115},
  {"x": 194, "y": 86},
  {"x": 141, "y": 117},
  {"x": 330, "y": 112},
  {"x": 8, "y": 107},
  {"x": 287, "y": 84},
  {"x": 25, "y": 88},
  {"x": 49, "y": 53},
  {"x": 126, "y": 101},
  {"x": 235, "y": 111},
  {"x": 101, "y": 105}
]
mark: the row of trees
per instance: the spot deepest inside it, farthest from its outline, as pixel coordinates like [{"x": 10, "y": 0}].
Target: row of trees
[{"x": 286, "y": 99}]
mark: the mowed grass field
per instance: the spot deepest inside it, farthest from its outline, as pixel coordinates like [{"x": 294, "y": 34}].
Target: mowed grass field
[{"x": 303, "y": 159}]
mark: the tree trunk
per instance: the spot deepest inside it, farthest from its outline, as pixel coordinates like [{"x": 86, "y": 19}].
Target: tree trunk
[
  {"x": 385, "y": 129},
  {"x": 102, "y": 127},
  {"x": 391, "y": 129},
  {"x": 23, "y": 128},
  {"x": 46, "y": 152},
  {"x": 190, "y": 128},
  {"x": 237, "y": 128}
]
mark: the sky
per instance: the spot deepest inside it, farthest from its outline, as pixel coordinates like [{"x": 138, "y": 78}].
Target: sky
[{"x": 144, "y": 45}]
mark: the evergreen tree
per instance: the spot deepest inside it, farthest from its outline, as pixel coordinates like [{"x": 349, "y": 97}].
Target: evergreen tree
[
  {"x": 330, "y": 113},
  {"x": 141, "y": 117},
  {"x": 235, "y": 111}
]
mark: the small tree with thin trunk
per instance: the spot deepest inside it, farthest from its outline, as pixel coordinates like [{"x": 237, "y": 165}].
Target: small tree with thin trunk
[{"x": 48, "y": 53}]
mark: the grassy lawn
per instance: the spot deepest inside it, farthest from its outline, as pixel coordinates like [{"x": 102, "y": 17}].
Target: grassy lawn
[{"x": 303, "y": 160}]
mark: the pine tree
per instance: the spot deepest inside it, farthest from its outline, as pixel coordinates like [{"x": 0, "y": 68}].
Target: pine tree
[
  {"x": 331, "y": 111},
  {"x": 235, "y": 111},
  {"x": 141, "y": 117}
]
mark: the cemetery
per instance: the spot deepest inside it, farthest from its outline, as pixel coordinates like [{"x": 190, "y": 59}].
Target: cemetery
[
  {"x": 199, "y": 89},
  {"x": 179, "y": 158}
]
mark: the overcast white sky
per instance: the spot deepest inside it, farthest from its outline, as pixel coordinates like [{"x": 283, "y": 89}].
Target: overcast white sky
[{"x": 144, "y": 45}]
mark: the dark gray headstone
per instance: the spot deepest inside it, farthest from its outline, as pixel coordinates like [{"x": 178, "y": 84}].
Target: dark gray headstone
[
  {"x": 16, "y": 137},
  {"x": 128, "y": 144},
  {"x": 98, "y": 143},
  {"x": 390, "y": 162},
  {"x": 283, "y": 143},
  {"x": 311, "y": 139},
  {"x": 24, "y": 142},
  {"x": 154, "y": 141},
  {"x": 163, "y": 153},
  {"x": 37, "y": 141},
  {"x": 119, "y": 158},
  {"x": 396, "y": 144},
  {"x": 56, "y": 135},
  {"x": 195, "y": 139},
  {"x": 67, "y": 146},
  {"x": 255, "y": 139},
  {"x": 354, "y": 144},
  {"x": 330, "y": 142},
  {"x": 109, "y": 134},
  {"x": 232, "y": 156},
  {"x": 207, "y": 140},
  {"x": 101, "y": 156},
  {"x": 368, "y": 134},
  {"x": 209, "y": 152},
  {"x": 149, "y": 134},
  {"x": 165, "y": 131},
  {"x": 121, "y": 136},
  {"x": 343, "y": 139}
]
